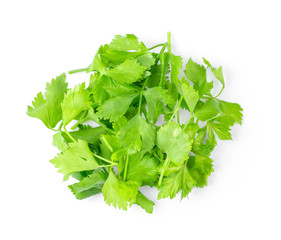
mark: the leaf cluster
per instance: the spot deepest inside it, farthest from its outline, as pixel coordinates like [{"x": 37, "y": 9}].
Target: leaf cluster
[{"x": 131, "y": 87}]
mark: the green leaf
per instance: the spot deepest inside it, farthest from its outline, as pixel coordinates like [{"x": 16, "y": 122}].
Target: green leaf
[
  {"x": 127, "y": 72},
  {"x": 222, "y": 131},
  {"x": 93, "y": 116},
  {"x": 232, "y": 111},
  {"x": 90, "y": 135},
  {"x": 109, "y": 145},
  {"x": 122, "y": 122},
  {"x": 137, "y": 135},
  {"x": 146, "y": 60},
  {"x": 114, "y": 58},
  {"x": 75, "y": 101},
  {"x": 195, "y": 72},
  {"x": 124, "y": 89},
  {"x": 144, "y": 202},
  {"x": 48, "y": 109},
  {"x": 122, "y": 48},
  {"x": 172, "y": 184},
  {"x": 174, "y": 142},
  {"x": 221, "y": 116},
  {"x": 115, "y": 108},
  {"x": 174, "y": 94},
  {"x": 153, "y": 98},
  {"x": 97, "y": 64},
  {"x": 89, "y": 185},
  {"x": 200, "y": 168},
  {"x": 142, "y": 169},
  {"x": 126, "y": 43},
  {"x": 119, "y": 193},
  {"x": 59, "y": 142},
  {"x": 100, "y": 95},
  {"x": 191, "y": 128},
  {"x": 154, "y": 78},
  {"x": 188, "y": 183},
  {"x": 209, "y": 110},
  {"x": 217, "y": 108},
  {"x": 217, "y": 73},
  {"x": 76, "y": 158},
  {"x": 204, "y": 89},
  {"x": 200, "y": 146},
  {"x": 190, "y": 95},
  {"x": 176, "y": 66},
  {"x": 93, "y": 79}
]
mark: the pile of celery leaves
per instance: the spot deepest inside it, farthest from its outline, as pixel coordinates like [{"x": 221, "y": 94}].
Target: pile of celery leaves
[{"x": 131, "y": 87}]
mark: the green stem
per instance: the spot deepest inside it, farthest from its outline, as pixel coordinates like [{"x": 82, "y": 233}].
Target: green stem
[
  {"x": 156, "y": 46},
  {"x": 107, "y": 165},
  {"x": 169, "y": 42},
  {"x": 155, "y": 155},
  {"x": 161, "y": 83},
  {"x": 154, "y": 67},
  {"x": 78, "y": 70},
  {"x": 79, "y": 122},
  {"x": 126, "y": 168},
  {"x": 139, "y": 107},
  {"x": 56, "y": 130},
  {"x": 178, "y": 116},
  {"x": 177, "y": 109},
  {"x": 209, "y": 97},
  {"x": 166, "y": 163},
  {"x": 69, "y": 135},
  {"x": 146, "y": 80},
  {"x": 219, "y": 92},
  {"x": 103, "y": 140},
  {"x": 104, "y": 159},
  {"x": 187, "y": 122}
]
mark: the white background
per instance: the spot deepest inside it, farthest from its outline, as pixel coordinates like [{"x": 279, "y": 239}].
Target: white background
[{"x": 41, "y": 39}]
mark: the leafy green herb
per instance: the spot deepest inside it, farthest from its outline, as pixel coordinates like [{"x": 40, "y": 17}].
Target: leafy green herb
[{"x": 130, "y": 88}]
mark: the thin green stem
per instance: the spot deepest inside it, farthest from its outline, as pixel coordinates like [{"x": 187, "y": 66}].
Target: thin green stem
[
  {"x": 185, "y": 125},
  {"x": 161, "y": 83},
  {"x": 178, "y": 116},
  {"x": 146, "y": 80},
  {"x": 219, "y": 92},
  {"x": 78, "y": 70},
  {"x": 139, "y": 107},
  {"x": 69, "y": 135},
  {"x": 104, "y": 159},
  {"x": 126, "y": 168},
  {"x": 59, "y": 129},
  {"x": 110, "y": 168},
  {"x": 177, "y": 108},
  {"x": 169, "y": 42},
  {"x": 107, "y": 165},
  {"x": 154, "y": 67},
  {"x": 188, "y": 121},
  {"x": 166, "y": 164},
  {"x": 56, "y": 130},
  {"x": 79, "y": 122},
  {"x": 155, "y": 155},
  {"x": 156, "y": 46},
  {"x": 209, "y": 97},
  {"x": 103, "y": 140}
]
